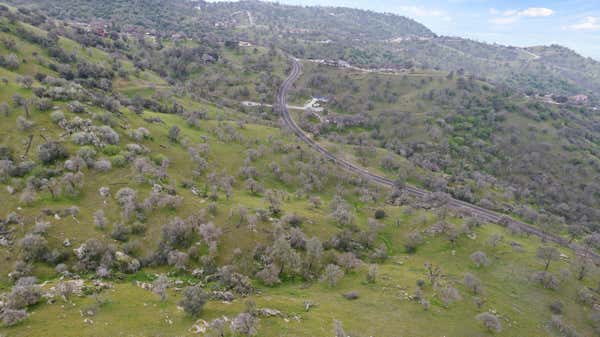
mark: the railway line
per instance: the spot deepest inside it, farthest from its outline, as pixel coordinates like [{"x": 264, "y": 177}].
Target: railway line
[{"x": 459, "y": 205}]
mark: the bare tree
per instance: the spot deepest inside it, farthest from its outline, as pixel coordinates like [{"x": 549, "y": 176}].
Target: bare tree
[{"x": 547, "y": 254}]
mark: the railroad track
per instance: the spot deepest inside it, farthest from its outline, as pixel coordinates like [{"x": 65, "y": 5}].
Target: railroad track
[{"x": 459, "y": 205}]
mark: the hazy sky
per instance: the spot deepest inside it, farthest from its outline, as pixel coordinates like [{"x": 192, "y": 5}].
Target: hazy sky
[{"x": 571, "y": 23}]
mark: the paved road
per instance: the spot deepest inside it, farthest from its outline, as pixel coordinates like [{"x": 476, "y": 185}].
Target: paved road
[{"x": 459, "y": 205}]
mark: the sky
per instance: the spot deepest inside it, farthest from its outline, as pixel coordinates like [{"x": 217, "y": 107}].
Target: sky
[{"x": 571, "y": 23}]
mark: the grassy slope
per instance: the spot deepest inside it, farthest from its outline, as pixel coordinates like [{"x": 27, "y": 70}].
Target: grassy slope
[{"x": 382, "y": 309}]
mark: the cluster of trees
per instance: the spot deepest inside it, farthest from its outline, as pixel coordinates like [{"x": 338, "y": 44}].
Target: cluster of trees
[{"x": 467, "y": 134}]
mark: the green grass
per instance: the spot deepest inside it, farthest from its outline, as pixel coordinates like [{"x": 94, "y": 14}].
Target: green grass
[{"x": 382, "y": 308}]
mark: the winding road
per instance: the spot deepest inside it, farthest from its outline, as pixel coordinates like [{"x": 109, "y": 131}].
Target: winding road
[{"x": 459, "y": 205}]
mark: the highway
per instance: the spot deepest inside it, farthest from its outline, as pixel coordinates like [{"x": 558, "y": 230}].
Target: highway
[{"x": 458, "y": 205}]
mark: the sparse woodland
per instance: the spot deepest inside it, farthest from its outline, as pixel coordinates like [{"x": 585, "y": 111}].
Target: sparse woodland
[{"x": 140, "y": 197}]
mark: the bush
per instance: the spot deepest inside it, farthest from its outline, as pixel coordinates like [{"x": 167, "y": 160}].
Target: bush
[
  {"x": 11, "y": 317},
  {"x": 57, "y": 117},
  {"x": 108, "y": 135},
  {"x": 88, "y": 154},
  {"x": 23, "y": 294},
  {"x": 24, "y": 124},
  {"x": 118, "y": 161},
  {"x": 103, "y": 165},
  {"x": 586, "y": 296},
  {"x": 76, "y": 107},
  {"x": 177, "y": 233},
  {"x": 491, "y": 322},
  {"x": 111, "y": 150},
  {"x": 556, "y": 307},
  {"x": 332, "y": 274},
  {"x": 174, "y": 133},
  {"x": 193, "y": 301},
  {"x": 140, "y": 134},
  {"x": 244, "y": 324},
  {"x": 82, "y": 138},
  {"x": 43, "y": 104},
  {"x": 546, "y": 279},
  {"x": 379, "y": 214},
  {"x": 34, "y": 247},
  {"x": 120, "y": 232},
  {"x": 372, "y": 273},
  {"x": 564, "y": 329},
  {"x": 11, "y": 62},
  {"x": 51, "y": 151},
  {"x": 237, "y": 282},
  {"x": 75, "y": 164},
  {"x": 412, "y": 241},
  {"x": 480, "y": 259}
]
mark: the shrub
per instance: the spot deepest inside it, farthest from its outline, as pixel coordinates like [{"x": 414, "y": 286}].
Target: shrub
[
  {"x": 120, "y": 232},
  {"x": 111, "y": 150},
  {"x": 24, "y": 124},
  {"x": 177, "y": 259},
  {"x": 23, "y": 294},
  {"x": 565, "y": 330},
  {"x": 412, "y": 241},
  {"x": 546, "y": 279},
  {"x": 490, "y": 321},
  {"x": 76, "y": 107},
  {"x": 174, "y": 133},
  {"x": 118, "y": 161},
  {"x": 57, "y": 117},
  {"x": 348, "y": 261},
  {"x": 51, "y": 151},
  {"x": 82, "y": 138},
  {"x": 88, "y": 154},
  {"x": 34, "y": 247},
  {"x": 11, "y": 317},
  {"x": 43, "y": 104},
  {"x": 159, "y": 287},
  {"x": 556, "y": 307},
  {"x": 103, "y": 165},
  {"x": 75, "y": 164},
  {"x": 108, "y": 135},
  {"x": 237, "y": 282},
  {"x": 586, "y": 296},
  {"x": 372, "y": 273},
  {"x": 473, "y": 283},
  {"x": 379, "y": 214},
  {"x": 449, "y": 294},
  {"x": 332, "y": 274},
  {"x": 12, "y": 62},
  {"x": 140, "y": 134},
  {"x": 244, "y": 324},
  {"x": 177, "y": 233},
  {"x": 194, "y": 299},
  {"x": 480, "y": 259}
]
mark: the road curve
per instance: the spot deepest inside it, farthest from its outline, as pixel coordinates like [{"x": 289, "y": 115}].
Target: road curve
[{"x": 474, "y": 210}]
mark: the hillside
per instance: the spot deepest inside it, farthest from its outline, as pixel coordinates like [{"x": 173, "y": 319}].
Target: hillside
[
  {"x": 362, "y": 38},
  {"x": 142, "y": 197}
]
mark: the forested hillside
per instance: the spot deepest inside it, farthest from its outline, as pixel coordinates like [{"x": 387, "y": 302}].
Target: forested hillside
[{"x": 150, "y": 187}]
